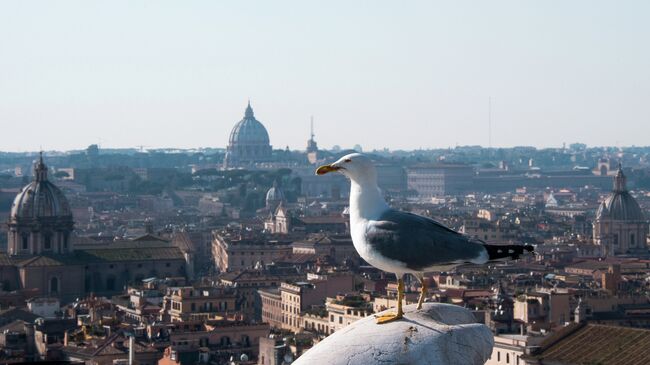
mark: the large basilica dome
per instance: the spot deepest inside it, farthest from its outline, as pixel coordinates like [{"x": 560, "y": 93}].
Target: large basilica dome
[
  {"x": 248, "y": 142},
  {"x": 41, "y": 219}
]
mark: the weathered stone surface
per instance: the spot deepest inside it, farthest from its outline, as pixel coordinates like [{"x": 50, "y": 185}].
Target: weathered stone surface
[{"x": 441, "y": 334}]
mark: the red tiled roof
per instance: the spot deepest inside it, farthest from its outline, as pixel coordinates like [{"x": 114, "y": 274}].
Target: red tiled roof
[{"x": 597, "y": 344}]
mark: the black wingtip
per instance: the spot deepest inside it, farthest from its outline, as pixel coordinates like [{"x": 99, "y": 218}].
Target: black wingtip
[{"x": 512, "y": 252}]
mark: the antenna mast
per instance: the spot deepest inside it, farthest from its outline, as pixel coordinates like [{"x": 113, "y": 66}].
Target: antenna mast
[{"x": 490, "y": 122}]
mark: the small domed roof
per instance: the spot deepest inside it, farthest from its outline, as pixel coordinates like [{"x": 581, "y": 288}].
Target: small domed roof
[
  {"x": 620, "y": 205},
  {"x": 249, "y": 130},
  {"x": 40, "y": 198},
  {"x": 274, "y": 194}
]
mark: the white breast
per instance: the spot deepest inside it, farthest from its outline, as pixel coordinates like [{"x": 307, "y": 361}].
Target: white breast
[{"x": 358, "y": 232}]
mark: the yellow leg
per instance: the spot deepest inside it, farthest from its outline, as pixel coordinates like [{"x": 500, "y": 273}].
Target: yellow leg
[
  {"x": 423, "y": 291},
  {"x": 400, "y": 297}
]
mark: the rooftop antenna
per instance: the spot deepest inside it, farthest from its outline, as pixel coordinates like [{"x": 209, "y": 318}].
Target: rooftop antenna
[
  {"x": 490, "y": 122},
  {"x": 312, "y": 127}
]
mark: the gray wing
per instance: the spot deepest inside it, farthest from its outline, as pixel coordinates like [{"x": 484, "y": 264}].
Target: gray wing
[{"x": 420, "y": 242}]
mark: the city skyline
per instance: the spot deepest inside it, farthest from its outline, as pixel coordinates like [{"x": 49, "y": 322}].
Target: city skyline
[
  {"x": 403, "y": 77},
  {"x": 178, "y": 183}
]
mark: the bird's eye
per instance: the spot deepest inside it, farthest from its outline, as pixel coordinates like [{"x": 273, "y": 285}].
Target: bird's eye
[{"x": 347, "y": 160}]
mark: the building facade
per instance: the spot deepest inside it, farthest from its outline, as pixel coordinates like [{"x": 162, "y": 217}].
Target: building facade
[
  {"x": 239, "y": 253},
  {"x": 429, "y": 181}
]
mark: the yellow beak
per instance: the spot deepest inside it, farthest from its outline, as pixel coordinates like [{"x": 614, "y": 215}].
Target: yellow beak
[{"x": 326, "y": 168}]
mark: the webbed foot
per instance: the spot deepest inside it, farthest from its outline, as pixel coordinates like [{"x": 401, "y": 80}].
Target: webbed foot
[{"x": 390, "y": 317}]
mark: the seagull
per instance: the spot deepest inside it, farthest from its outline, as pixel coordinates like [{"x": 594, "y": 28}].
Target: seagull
[{"x": 405, "y": 243}]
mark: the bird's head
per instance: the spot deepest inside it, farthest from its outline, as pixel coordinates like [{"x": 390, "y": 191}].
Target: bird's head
[{"x": 356, "y": 166}]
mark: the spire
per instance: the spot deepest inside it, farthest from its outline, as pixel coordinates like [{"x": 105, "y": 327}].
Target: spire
[
  {"x": 249, "y": 111},
  {"x": 311, "y": 143},
  {"x": 40, "y": 170},
  {"x": 620, "y": 181}
]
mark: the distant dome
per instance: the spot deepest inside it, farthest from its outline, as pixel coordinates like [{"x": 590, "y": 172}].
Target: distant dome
[
  {"x": 249, "y": 130},
  {"x": 274, "y": 193},
  {"x": 620, "y": 205},
  {"x": 248, "y": 142},
  {"x": 274, "y": 196},
  {"x": 40, "y": 198}
]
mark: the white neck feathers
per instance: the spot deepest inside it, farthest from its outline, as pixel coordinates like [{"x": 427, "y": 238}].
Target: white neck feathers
[{"x": 366, "y": 201}]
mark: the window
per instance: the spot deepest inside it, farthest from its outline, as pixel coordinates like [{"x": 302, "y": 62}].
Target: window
[
  {"x": 54, "y": 285},
  {"x": 25, "y": 242},
  {"x": 47, "y": 242},
  {"x": 225, "y": 341},
  {"x": 331, "y": 318},
  {"x": 632, "y": 240},
  {"x": 167, "y": 264},
  {"x": 507, "y": 358},
  {"x": 110, "y": 283},
  {"x": 340, "y": 320}
]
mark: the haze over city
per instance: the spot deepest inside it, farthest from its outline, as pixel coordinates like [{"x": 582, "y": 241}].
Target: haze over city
[{"x": 400, "y": 75}]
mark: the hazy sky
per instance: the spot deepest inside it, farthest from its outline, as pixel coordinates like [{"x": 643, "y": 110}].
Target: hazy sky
[{"x": 396, "y": 74}]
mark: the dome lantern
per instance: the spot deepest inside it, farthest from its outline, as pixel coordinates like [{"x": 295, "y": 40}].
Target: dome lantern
[
  {"x": 40, "y": 170},
  {"x": 620, "y": 181}
]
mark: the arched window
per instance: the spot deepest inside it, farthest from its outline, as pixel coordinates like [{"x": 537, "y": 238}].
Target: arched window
[{"x": 54, "y": 285}]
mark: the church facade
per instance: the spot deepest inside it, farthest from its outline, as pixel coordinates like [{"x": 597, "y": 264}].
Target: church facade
[
  {"x": 620, "y": 226},
  {"x": 41, "y": 257}
]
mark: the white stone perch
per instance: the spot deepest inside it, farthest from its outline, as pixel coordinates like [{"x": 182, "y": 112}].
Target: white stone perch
[{"x": 438, "y": 334}]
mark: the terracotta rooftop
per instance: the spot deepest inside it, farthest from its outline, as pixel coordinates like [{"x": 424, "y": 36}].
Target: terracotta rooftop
[
  {"x": 596, "y": 344},
  {"x": 89, "y": 256}
]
